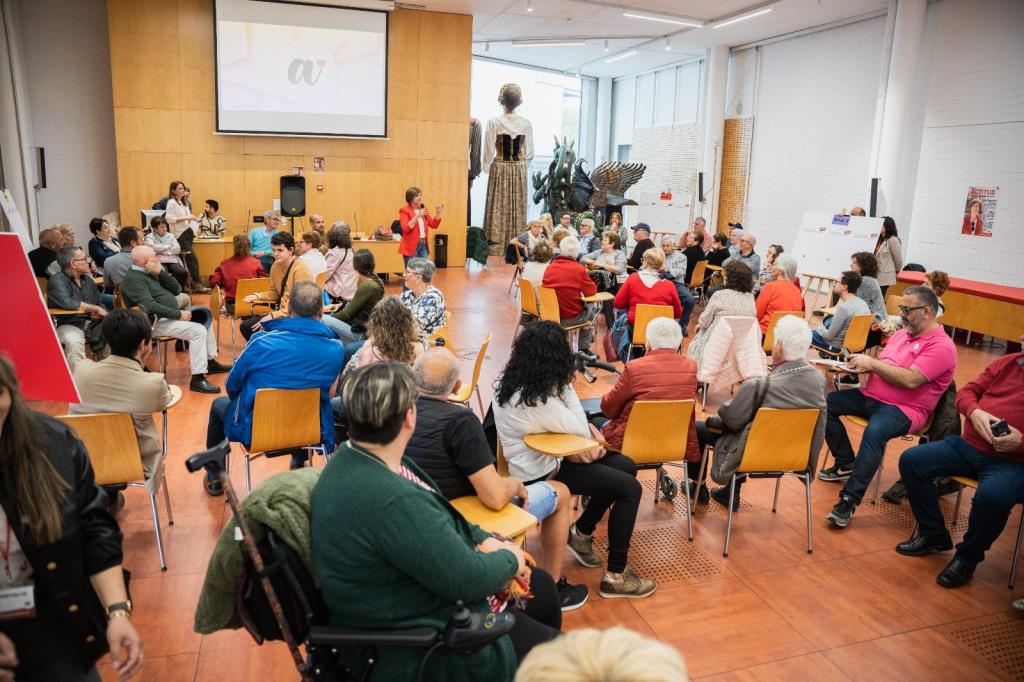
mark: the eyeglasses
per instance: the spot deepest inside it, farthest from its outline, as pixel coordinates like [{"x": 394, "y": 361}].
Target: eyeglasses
[
  {"x": 79, "y": 260},
  {"x": 906, "y": 310}
]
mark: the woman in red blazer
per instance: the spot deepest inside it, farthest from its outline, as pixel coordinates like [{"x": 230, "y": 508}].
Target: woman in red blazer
[{"x": 416, "y": 223}]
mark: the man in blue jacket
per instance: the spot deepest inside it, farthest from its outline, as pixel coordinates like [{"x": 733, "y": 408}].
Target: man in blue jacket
[{"x": 294, "y": 352}]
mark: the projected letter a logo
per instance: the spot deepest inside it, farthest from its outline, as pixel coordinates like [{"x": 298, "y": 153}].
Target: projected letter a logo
[{"x": 302, "y": 69}]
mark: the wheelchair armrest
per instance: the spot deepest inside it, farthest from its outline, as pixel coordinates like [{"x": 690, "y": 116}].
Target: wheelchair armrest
[{"x": 349, "y": 637}]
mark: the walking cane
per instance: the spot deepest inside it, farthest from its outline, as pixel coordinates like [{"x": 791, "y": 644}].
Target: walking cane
[{"x": 216, "y": 458}]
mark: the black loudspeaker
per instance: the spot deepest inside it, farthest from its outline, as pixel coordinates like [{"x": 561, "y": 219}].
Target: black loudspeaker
[
  {"x": 293, "y": 196},
  {"x": 873, "y": 206},
  {"x": 700, "y": 187}
]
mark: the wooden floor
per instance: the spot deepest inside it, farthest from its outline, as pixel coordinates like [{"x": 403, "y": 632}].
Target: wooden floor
[{"x": 854, "y": 609}]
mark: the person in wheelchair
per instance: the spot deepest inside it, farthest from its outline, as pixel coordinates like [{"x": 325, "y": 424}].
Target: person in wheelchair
[{"x": 392, "y": 553}]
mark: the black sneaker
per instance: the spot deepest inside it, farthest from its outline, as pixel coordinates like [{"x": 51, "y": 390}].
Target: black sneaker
[
  {"x": 571, "y": 597},
  {"x": 836, "y": 472},
  {"x": 702, "y": 493},
  {"x": 721, "y": 496},
  {"x": 849, "y": 379},
  {"x": 842, "y": 513}
]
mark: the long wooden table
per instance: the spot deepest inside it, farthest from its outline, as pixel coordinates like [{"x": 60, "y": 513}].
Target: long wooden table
[
  {"x": 384, "y": 252},
  {"x": 990, "y": 309}
]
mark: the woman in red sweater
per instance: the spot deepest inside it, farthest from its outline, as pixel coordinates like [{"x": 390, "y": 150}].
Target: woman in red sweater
[
  {"x": 240, "y": 266},
  {"x": 646, "y": 286},
  {"x": 781, "y": 294}
]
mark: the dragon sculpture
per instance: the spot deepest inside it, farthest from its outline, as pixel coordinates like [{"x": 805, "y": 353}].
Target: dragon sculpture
[{"x": 567, "y": 187}]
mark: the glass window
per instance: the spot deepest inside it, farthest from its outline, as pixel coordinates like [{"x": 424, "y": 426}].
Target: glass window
[
  {"x": 644, "y": 101},
  {"x": 688, "y": 92},
  {"x": 623, "y": 108},
  {"x": 664, "y": 96}
]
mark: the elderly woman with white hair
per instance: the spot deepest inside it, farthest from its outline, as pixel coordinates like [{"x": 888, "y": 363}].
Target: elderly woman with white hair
[
  {"x": 781, "y": 294},
  {"x": 259, "y": 238},
  {"x": 421, "y": 297},
  {"x": 571, "y": 283},
  {"x": 793, "y": 384}
]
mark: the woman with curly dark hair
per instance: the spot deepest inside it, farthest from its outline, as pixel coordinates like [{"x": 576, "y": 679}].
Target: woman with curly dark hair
[
  {"x": 733, "y": 299},
  {"x": 866, "y": 265},
  {"x": 391, "y": 334},
  {"x": 534, "y": 394}
]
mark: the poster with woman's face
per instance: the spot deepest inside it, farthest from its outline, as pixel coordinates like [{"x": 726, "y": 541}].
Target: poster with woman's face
[{"x": 979, "y": 211}]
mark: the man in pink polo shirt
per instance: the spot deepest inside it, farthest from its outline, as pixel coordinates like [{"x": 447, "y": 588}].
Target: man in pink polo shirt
[{"x": 906, "y": 382}]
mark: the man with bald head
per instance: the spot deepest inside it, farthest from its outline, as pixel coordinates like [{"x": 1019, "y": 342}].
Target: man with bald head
[
  {"x": 149, "y": 286},
  {"x": 450, "y": 445},
  {"x": 318, "y": 225},
  {"x": 50, "y": 242}
]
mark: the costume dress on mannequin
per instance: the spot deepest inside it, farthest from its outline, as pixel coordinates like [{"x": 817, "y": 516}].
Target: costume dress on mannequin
[
  {"x": 508, "y": 147},
  {"x": 475, "y": 135}
]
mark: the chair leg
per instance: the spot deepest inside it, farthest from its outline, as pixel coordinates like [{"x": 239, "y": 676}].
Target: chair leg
[
  {"x": 1016, "y": 550},
  {"x": 479, "y": 400},
  {"x": 159, "y": 533},
  {"x": 775, "y": 502},
  {"x": 167, "y": 502},
  {"x": 233, "y": 353},
  {"x": 689, "y": 515},
  {"x": 807, "y": 489},
  {"x": 956, "y": 506},
  {"x": 878, "y": 479},
  {"x": 248, "y": 475},
  {"x": 728, "y": 525},
  {"x": 701, "y": 474}
]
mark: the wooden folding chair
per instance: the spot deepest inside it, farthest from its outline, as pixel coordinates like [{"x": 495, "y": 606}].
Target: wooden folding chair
[
  {"x": 646, "y": 312},
  {"x": 517, "y": 273},
  {"x": 467, "y": 390},
  {"x": 855, "y": 341},
  {"x": 216, "y": 307},
  {"x": 113, "y": 449},
  {"x": 652, "y": 439},
  {"x": 769, "y": 335},
  {"x": 283, "y": 420},
  {"x": 511, "y": 521},
  {"x": 548, "y": 298},
  {"x": 442, "y": 336},
  {"x": 321, "y": 279},
  {"x": 528, "y": 305},
  {"x": 697, "y": 280},
  {"x": 243, "y": 309}
]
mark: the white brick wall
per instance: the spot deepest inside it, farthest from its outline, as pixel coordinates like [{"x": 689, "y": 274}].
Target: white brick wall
[
  {"x": 973, "y": 135},
  {"x": 813, "y": 121}
]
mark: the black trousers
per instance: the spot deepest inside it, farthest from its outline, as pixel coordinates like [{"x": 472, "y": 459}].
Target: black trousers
[
  {"x": 247, "y": 324},
  {"x": 179, "y": 273},
  {"x": 706, "y": 437},
  {"x": 541, "y": 620},
  {"x": 188, "y": 257},
  {"x": 611, "y": 483}
]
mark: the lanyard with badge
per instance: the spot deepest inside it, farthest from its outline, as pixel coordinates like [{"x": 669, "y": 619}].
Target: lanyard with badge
[{"x": 16, "y": 601}]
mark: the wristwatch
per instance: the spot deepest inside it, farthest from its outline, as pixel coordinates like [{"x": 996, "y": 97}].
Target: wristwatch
[{"x": 119, "y": 608}]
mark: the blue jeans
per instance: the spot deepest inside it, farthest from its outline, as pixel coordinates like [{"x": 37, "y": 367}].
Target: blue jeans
[
  {"x": 884, "y": 422},
  {"x": 688, "y": 301},
  {"x": 267, "y": 262},
  {"x": 215, "y": 428},
  {"x": 819, "y": 342},
  {"x": 1000, "y": 487},
  {"x": 343, "y": 330},
  {"x": 543, "y": 500}
]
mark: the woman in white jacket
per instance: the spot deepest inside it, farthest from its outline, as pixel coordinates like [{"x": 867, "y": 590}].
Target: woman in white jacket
[
  {"x": 734, "y": 299},
  {"x": 167, "y": 249},
  {"x": 889, "y": 252}
]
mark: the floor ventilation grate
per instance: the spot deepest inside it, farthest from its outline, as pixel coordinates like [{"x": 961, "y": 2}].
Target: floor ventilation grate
[
  {"x": 665, "y": 555},
  {"x": 999, "y": 642}
]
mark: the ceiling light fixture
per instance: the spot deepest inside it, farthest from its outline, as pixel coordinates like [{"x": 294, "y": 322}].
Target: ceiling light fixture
[
  {"x": 624, "y": 55},
  {"x": 529, "y": 6},
  {"x": 605, "y": 44},
  {"x": 741, "y": 17},
  {"x": 549, "y": 43},
  {"x": 668, "y": 44},
  {"x": 692, "y": 23}
]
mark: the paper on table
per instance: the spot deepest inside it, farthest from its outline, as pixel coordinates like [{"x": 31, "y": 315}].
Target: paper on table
[{"x": 836, "y": 364}]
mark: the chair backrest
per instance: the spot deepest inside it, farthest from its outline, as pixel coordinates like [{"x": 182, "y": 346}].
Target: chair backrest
[
  {"x": 285, "y": 418},
  {"x": 216, "y": 301},
  {"x": 321, "y": 279},
  {"x": 500, "y": 462},
  {"x": 480, "y": 360},
  {"x": 657, "y": 430},
  {"x": 646, "y": 312},
  {"x": 519, "y": 256},
  {"x": 699, "y": 270},
  {"x": 243, "y": 288},
  {"x": 769, "y": 336},
  {"x": 112, "y": 445},
  {"x": 856, "y": 338},
  {"x": 528, "y": 298},
  {"x": 44, "y": 284},
  {"x": 766, "y": 451},
  {"x": 548, "y": 298},
  {"x": 892, "y": 304}
]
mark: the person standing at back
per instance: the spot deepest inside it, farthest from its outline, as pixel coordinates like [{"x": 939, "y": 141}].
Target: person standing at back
[
  {"x": 416, "y": 221},
  {"x": 184, "y": 226},
  {"x": 889, "y": 252}
]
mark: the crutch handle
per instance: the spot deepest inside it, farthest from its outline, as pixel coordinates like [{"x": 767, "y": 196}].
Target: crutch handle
[{"x": 215, "y": 457}]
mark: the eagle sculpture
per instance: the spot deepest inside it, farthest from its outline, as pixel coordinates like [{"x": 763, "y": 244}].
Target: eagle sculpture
[{"x": 606, "y": 185}]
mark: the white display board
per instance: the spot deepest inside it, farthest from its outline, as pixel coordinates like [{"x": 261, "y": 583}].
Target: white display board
[
  {"x": 665, "y": 216},
  {"x": 826, "y": 242},
  {"x": 14, "y": 220}
]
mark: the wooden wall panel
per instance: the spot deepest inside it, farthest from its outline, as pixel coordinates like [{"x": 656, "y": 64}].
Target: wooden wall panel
[
  {"x": 735, "y": 171},
  {"x": 162, "y": 64}
]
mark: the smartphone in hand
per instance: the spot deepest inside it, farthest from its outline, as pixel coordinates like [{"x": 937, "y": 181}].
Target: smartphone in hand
[{"x": 1000, "y": 428}]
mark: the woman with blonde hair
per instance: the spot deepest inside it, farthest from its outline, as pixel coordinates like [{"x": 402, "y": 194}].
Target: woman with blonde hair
[
  {"x": 612, "y": 655},
  {"x": 646, "y": 286},
  {"x": 548, "y": 222}
]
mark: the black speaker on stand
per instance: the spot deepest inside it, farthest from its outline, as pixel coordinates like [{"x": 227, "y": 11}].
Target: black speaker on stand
[{"x": 293, "y": 196}]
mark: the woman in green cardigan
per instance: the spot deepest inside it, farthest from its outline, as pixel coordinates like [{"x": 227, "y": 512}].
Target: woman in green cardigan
[
  {"x": 392, "y": 553},
  {"x": 349, "y": 323}
]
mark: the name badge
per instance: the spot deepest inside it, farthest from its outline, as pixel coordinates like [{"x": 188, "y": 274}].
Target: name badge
[{"x": 18, "y": 602}]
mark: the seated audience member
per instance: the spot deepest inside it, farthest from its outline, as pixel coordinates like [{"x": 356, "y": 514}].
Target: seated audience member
[
  {"x": 780, "y": 294},
  {"x": 421, "y": 297},
  {"x": 746, "y": 254},
  {"x": 733, "y": 299},
  {"x": 612, "y": 655},
  {"x": 528, "y": 240},
  {"x": 857, "y": 211},
  {"x": 41, "y": 258},
  {"x": 905, "y": 383},
  {"x": 701, "y": 236},
  {"x": 533, "y": 269},
  {"x": 259, "y": 238},
  {"x": 694, "y": 253},
  {"x": 793, "y": 384},
  {"x": 349, "y": 323},
  {"x": 534, "y": 395},
  {"x": 995, "y": 461},
  {"x": 866, "y": 265},
  {"x": 661, "y": 374},
  {"x": 121, "y": 383},
  {"x": 153, "y": 289},
  {"x": 239, "y": 266},
  {"x": 118, "y": 265},
  {"x": 167, "y": 249},
  {"x": 642, "y": 234},
  {"x": 387, "y": 233},
  {"x": 318, "y": 224},
  {"x": 449, "y": 444},
  {"x": 735, "y": 235},
  {"x": 286, "y": 272},
  {"x": 719, "y": 253},
  {"x": 646, "y": 286},
  {"x": 102, "y": 245},
  {"x": 73, "y": 289},
  {"x": 766, "y": 274},
  {"x": 340, "y": 261},
  {"x": 296, "y": 352},
  {"x": 832, "y": 334},
  {"x": 565, "y": 223},
  {"x": 309, "y": 253},
  {"x": 571, "y": 282},
  {"x": 937, "y": 281},
  {"x": 67, "y": 233},
  {"x": 608, "y": 258},
  {"x": 211, "y": 224},
  {"x": 548, "y": 223},
  {"x": 391, "y": 334},
  {"x": 557, "y": 235},
  {"x": 674, "y": 271},
  {"x": 392, "y": 553},
  {"x": 588, "y": 238}
]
